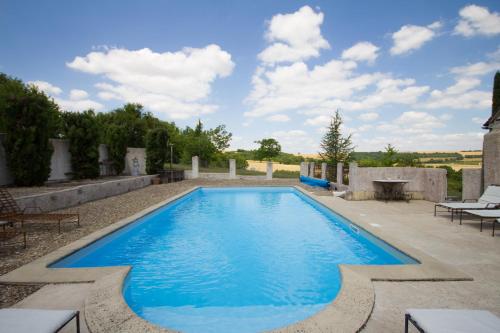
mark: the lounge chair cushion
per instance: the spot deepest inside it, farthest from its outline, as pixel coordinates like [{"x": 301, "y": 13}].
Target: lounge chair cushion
[
  {"x": 457, "y": 321},
  {"x": 33, "y": 320},
  {"x": 464, "y": 205},
  {"x": 492, "y": 194},
  {"x": 488, "y": 213}
]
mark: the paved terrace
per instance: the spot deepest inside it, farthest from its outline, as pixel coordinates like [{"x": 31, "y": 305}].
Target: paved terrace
[{"x": 462, "y": 247}]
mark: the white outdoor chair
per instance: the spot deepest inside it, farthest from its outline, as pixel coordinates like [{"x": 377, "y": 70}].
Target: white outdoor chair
[
  {"x": 36, "y": 320},
  {"x": 448, "y": 321},
  {"x": 489, "y": 200}
]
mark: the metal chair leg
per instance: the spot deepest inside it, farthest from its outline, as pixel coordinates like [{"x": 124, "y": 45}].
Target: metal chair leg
[{"x": 407, "y": 316}]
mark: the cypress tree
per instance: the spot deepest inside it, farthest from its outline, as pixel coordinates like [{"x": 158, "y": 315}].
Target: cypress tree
[
  {"x": 495, "y": 105},
  {"x": 336, "y": 147}
]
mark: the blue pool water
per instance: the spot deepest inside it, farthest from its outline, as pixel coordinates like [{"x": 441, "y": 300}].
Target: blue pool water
[{"x": 220, "y": 258}]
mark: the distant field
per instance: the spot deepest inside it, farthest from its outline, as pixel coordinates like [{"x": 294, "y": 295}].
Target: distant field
[{"x": 262, "y": 166}]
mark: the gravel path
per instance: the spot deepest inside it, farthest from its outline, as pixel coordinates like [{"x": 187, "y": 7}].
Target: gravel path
[{"x": 43, "y": 238}]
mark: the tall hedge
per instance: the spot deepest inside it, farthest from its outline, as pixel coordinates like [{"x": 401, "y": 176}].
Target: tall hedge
[
  {"x": 116, "y": 140},
  {"x": 81, "y": 129},
  {"x": 30, "y": 119},
  {"x": 156, "y": 149},
  {"x": 495, "y": 105}
]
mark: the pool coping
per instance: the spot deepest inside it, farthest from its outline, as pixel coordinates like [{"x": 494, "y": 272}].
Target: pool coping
[{"x": 107, "y": 311}]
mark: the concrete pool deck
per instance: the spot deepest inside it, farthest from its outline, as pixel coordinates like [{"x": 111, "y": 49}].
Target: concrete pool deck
[{"x": 447, "y": 251}]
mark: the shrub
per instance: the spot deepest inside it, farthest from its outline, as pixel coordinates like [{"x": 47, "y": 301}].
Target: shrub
[
  {"x": 30, "y": 120},
  {"x": 156, "y": 149},
  {"x": 81, "y": 129},
  {"x": 116, "y": 140}
]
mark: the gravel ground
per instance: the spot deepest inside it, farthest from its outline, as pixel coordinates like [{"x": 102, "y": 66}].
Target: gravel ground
[{"x": 43, "y": 238}]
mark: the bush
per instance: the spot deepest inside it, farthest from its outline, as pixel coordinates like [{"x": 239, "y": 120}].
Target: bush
[
  {"x": 116, "y": 140},
  {"x": 156, "y": 150},
  {"x": 81, "y": 129},
  {"x": 221, "y": 160},
  {"x": 30, "y": 120}
]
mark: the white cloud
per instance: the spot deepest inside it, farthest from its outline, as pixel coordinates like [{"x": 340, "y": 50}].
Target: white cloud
[
  {"x": 362, "y": 51},
  {"x": 478, "y": 120},
  {"x": 78, "y": 94},
  {"x": 459, "y": 96},
  {"x": 322, "y": 120},
  {"x": 278, "y": 118},
  {"x": 413, "y": 37},
  {"x": 476, "y": 69},
  {"x": 294, "y": 37},
  {"x": 295, "y": 141},
  {"x": 78, "y": 99},
  {"x": 46, "y": 87},
  {"x": 368, "y": 116},
  {"x": 477, "y": 20},
  {"x": 171, "y": 84}
]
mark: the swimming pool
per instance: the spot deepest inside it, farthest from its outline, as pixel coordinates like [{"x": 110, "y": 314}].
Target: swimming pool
[{"x": 219, "y": 258}]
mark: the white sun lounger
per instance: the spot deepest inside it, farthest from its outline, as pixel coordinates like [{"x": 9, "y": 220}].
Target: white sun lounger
[
  {"x": 488, "y": 214},
  {"x": 456, "y": 321},
  {"x": 35, "y": 320},
  {"x": 489, "y": 200}
]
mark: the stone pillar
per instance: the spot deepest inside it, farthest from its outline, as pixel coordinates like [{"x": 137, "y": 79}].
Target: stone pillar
[
  {"x": 323, "y": 170},
  {"x": 353, "y": 176},
  {"x": 194, "y": 167},
  {"x": 340, "y": 173},
  {"x": 471, "y": 184},
  {"x": 232, "y": 169},
  {"x": 304, "y": 169},
  {"x": 491, "y": 158},
  {"x": 269, "y": 173},
  {"x": 311, "y": 169}
]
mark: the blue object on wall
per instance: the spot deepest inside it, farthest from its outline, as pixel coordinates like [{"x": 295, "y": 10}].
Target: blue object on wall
[{"x": 315, "y": 181}]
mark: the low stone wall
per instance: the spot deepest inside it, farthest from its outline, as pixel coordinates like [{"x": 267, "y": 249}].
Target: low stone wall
[
  {"x": 84, "y": 193},
  {"x": 424, "y": 183},
  {"x": 471, "y": 184}
]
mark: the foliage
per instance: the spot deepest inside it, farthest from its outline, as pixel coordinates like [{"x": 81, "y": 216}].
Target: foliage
[
  {"x": 220, "y": 137},
  {"x": 390, "y": 156},
  {"x": 197, "y": 142},
  {"x": 156, "y": 149},
  {"x": 221, "y": 160},
  {"x": 336, "y": 147},
  {"x": 286, "y": 174},
  {"x": 82, "y": 131},
  {"x": 268, "y": 149},
  {"x": 495, "y": 105},
  {"x": 116, "y": 140},
  {"x": 454, "y": 181},
  {"x": 29, "y": 119}
]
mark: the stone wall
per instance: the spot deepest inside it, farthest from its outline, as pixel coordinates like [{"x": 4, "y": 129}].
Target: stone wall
[
  {"x": 84, "y": 193},
  {"x": 135, "y": 162},
  {"x": 471, "y": 184},
  {"x": 491, "y": 158},
  {"x": 424, "y": 183}
]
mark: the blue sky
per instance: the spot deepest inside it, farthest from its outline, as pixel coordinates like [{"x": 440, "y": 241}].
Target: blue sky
[{"x": 415, "y": 74}]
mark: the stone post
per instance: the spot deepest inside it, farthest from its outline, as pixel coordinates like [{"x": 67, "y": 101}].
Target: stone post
[
  {"x": 304, "y": 168},
  {"x": 269, "y": 173},
  {"x": 323, "y": 170},
  {"x": 311, "y": 169},
  {"x": 491, "y": 158},
  {"x": 353, "y": 175},
  {"x": 194, "y": 167},
  {"x": 340, "y": 173},
  {"x": 232, "y": 169}
]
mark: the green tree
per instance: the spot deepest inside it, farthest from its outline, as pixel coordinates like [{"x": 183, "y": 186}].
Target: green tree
[
  {"x": 82, "y": 131},
  {"x": 116, "y": 140},
  {"x": 336, "y": 147},
  {"x": 220, "y": 137},
  {"x": 29, "y": 119},
  {"x": 197, "y": 142},
  {"x": 268, "y": 149},
  {"x": 156, "y": 149},
  {"x": 390, "y": 156},
  {"x": 495, "y": 105}
]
